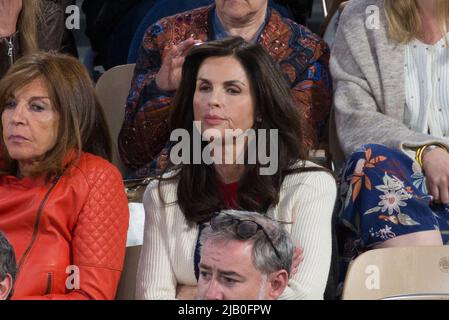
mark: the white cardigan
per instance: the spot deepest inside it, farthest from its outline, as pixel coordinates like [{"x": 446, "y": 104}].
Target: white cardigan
[
  {"x": 167, "y": 257},
  {"x": 368, "y": 70}
]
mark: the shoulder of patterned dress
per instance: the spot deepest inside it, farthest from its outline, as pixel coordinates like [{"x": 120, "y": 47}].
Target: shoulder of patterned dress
[
  {"x": 180, "y": 26},
  {"x": 286, "y": 39}
]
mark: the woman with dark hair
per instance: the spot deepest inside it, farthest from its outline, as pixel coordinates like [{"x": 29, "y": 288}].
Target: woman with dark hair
[
  {"x": 303, "y": 58},
  {"x": 229, "y": 86},
  {"x": 63, "y": 204}
]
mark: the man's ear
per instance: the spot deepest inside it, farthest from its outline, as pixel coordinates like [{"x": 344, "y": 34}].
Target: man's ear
[
  {"x": 277, "y": 282},
  {"x": 5, "y": 287}
]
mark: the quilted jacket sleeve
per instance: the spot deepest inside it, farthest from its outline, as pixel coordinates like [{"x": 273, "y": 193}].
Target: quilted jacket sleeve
[
  {"x": 145, "y": 130},
  {"x": 99, "y": 237}
]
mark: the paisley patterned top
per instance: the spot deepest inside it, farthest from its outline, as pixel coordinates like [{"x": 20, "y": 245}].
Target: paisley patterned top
[{"x": 302, "y": 56}]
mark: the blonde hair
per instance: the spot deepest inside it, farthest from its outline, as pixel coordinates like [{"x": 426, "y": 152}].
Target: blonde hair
[
  {"x": 404, "y": 21},
  {"x": 28, "y": 25}
]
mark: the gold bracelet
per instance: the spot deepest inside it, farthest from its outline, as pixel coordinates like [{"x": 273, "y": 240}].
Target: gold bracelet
[{"x": 420, "y": 152}]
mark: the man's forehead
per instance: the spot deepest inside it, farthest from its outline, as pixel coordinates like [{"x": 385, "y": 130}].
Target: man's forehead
[
  {"x": 230, "y": 246},
  {"x": 229, "y": 255}
]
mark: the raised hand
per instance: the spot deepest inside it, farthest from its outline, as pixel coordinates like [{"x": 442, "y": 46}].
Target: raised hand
[
  {"x": 9, "y": 15},
  {"x": 298, "y": 257},
  {"x": 169, "y": 75}
]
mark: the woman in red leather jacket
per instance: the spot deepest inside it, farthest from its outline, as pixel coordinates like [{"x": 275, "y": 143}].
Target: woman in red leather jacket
[{"x": 62, "y": 204}]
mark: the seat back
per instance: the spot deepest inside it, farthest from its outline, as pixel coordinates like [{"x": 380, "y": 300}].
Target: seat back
[
  {"x": 399, "y": 271},
  {"x": 112, "y": 89},
  {"x": 326, "y": 6},
  {"x": 423, "y": 296},
  {"x": 127, "y": 286}
]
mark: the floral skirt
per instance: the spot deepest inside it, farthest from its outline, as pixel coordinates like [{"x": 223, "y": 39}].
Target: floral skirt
[{"x": 383, "y": 195}]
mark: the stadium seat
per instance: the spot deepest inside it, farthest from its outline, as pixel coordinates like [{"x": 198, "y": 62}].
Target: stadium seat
[
  {"x": 112, "y": 89},
  {"x": 127, "y": 285},
  {"x": 391, "y": 273}
]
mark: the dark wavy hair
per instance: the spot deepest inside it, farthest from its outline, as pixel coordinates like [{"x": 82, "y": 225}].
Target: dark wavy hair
[{"x": 198, "y": 193}]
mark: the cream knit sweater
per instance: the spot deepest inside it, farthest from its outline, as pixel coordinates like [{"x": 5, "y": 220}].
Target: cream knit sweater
[{"x": 167, "y": 256}]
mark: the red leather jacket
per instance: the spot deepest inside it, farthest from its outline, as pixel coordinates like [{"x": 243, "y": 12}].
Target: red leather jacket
[{"x": 71, "y": 245}]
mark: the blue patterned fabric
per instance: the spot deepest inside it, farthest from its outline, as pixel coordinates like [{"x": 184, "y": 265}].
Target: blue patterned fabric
[
  {"x": 383, "y": 195},
  {"x": 219, "y": 31}
]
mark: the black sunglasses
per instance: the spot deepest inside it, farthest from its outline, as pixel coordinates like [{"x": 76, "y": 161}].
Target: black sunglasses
[{"x": 244, "y": 229}]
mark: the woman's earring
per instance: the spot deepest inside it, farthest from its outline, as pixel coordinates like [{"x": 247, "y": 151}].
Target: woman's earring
[{"x": 258, "y": 119}]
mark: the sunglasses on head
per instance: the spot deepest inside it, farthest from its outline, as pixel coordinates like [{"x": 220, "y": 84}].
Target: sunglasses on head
[{"x": 244, "y": 229}]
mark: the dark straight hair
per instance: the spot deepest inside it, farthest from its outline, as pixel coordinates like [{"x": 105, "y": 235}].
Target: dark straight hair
[{"x": 198, "y": 191}]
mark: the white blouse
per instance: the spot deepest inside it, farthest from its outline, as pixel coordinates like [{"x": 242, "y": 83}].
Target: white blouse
[{"x": 427, "y": 88}]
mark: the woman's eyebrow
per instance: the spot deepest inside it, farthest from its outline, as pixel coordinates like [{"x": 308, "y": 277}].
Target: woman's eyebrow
[
  {"x": 234, "y": 82},
  {"x": 39, "y": 98},
  {"x": 228, "y": 82}
]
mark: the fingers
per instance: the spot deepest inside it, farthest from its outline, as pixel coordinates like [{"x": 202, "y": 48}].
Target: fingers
[
  {"x": 298, "y": 257},
  {"x": 298, "y": 254},
  {"x": 434, "y": 191},
  {"x": 186, "y": 45},
  {"x": 439, "y": 190},
  {"x": 169, "y": 75},
  {"x": 174, "y": 59},
  {"x": 179, "y": 51},
  {"x": 177, "y": 62},
  {"x": 444, "y": 194},
  {"x": 301, "y": 254},
  {"x": 436, "y": 170},
  {"x": 182, "y": 48}
]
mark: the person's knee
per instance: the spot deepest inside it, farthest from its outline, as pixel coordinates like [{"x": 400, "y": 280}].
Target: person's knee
[{"x": 421, "y": 238}]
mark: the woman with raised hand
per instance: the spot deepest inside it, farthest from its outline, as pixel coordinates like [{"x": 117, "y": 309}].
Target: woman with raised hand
[{"x": 302, "y": 56}]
